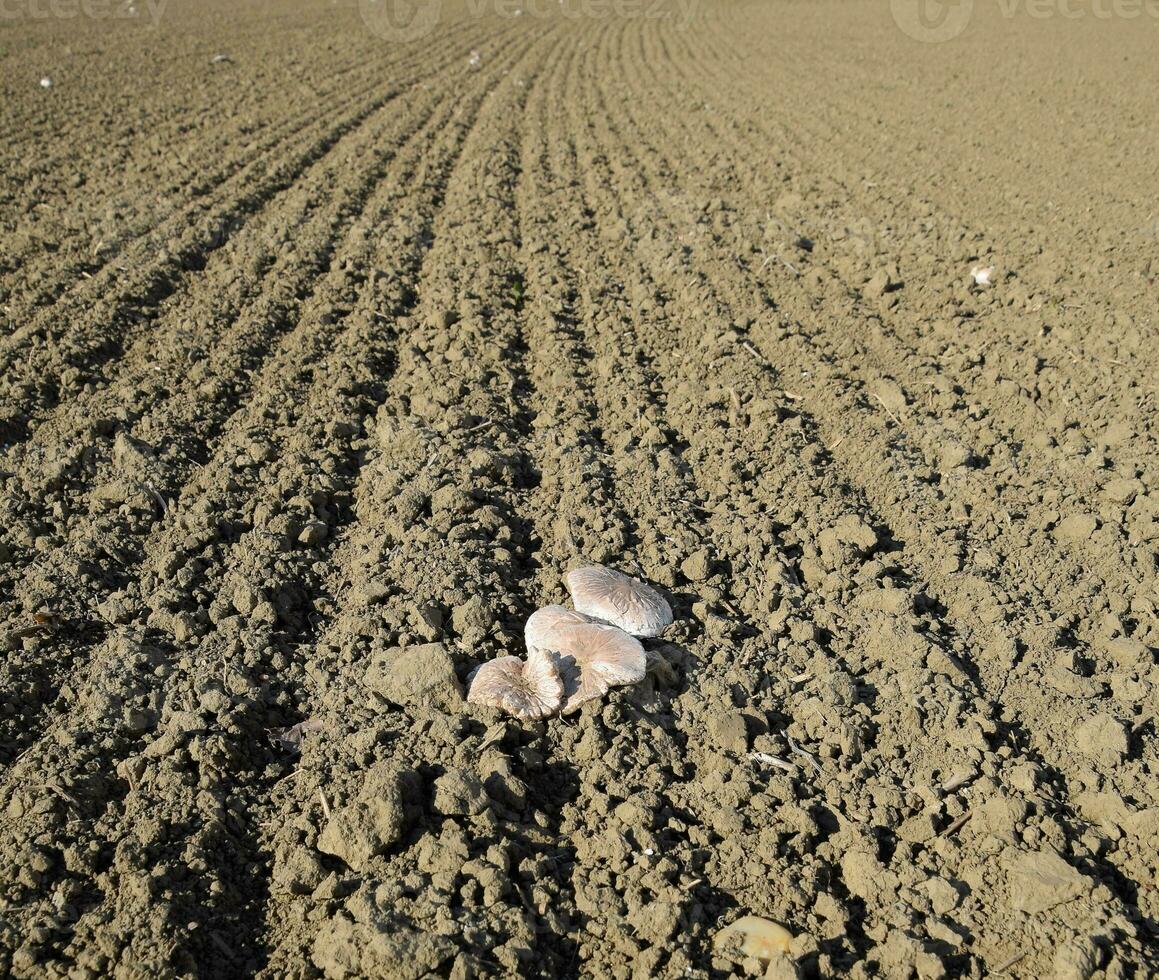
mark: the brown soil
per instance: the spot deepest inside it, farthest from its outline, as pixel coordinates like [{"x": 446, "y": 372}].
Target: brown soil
[{"x": 320, "y": 365}]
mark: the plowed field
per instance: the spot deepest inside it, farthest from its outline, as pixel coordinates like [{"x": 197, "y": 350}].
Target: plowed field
[{"x": 324, "y": 356}]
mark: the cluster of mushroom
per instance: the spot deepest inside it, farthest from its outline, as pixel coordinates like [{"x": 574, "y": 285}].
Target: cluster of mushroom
[{"x": 575, "y": 655}]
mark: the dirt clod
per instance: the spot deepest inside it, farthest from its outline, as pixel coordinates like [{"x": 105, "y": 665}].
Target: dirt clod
[{"x": 417, "y": 676}]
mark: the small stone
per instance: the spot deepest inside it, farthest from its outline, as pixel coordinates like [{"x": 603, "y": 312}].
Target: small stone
[{"x": 313, "y": 534}]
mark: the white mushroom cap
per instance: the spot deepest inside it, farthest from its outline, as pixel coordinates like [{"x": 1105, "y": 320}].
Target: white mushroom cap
[
  {"x": 593, "y": 657},
  {"x": 528, "y": 690},
  {"x": 544, "y": 623},
  {"x": 620, "y": 600}
]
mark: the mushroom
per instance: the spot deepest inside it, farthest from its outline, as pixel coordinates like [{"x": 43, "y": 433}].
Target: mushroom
[
  {"x": 593, "y": 657},
  {"x": 543, "y": 624},
  {"x": 618, "y": 599},
  {"x": 528, "y": 690}
]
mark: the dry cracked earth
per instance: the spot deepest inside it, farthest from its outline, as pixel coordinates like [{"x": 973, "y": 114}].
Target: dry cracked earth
[{"x": 323, "y": 361}]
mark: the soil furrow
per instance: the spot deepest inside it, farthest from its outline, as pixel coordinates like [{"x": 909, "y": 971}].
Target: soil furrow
[
  {"x": 187, "y": 331},
  {"x": 246, "y": 689},
  {"x": 83, "y": 342},
  {"x": 451, "y": 419},
  {"x": 715, "y": 275},
  {"x": 102, "y": 241},
  {"x": 178, "y": 433},
  {"x": 1035, "y": 639},
  {"x": 909, "y": 479},
  {"x": 1025, "y": 393}
]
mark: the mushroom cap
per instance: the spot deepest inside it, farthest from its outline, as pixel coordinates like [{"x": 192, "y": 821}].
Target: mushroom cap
[
  {"x": 620, "y": 600},
  {"x": 528, "y": 690},
  {"x": 593, "y": 657},
  {"x": 544, "y": 623}
]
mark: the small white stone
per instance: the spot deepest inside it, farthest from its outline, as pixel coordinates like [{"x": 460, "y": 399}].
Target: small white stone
[{"x": 981, "y": 275}]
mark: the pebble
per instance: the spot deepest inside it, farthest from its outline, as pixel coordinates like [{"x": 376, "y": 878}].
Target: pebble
[
  {"x": 313, "y": 534},
  {"x": 882, "y": 282}
]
